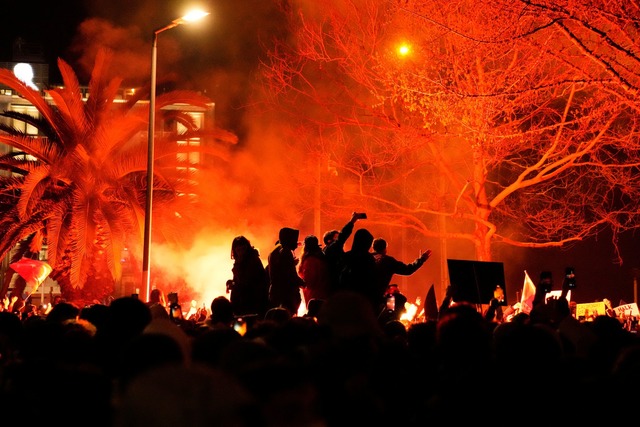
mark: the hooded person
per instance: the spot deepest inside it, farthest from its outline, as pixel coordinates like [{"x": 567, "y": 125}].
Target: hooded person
[
  {"x": 249, "y": 288},
  {"x": 334, "y": 241},
  {"x": 358, "y": 272},
  {"x": 285, "y": 283},
  {"x": 314, "y": 270}
]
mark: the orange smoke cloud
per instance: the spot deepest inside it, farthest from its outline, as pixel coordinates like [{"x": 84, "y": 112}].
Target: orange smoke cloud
[{"x": 132, "y": 58}]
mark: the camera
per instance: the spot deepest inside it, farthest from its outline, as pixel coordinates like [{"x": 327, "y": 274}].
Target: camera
[
  {"x": 361, "y": 215},
  {"x": 570, "y": 277}
]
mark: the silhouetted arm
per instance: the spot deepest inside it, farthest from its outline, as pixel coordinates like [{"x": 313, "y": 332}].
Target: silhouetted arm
[{"x": 399, "y": 267}]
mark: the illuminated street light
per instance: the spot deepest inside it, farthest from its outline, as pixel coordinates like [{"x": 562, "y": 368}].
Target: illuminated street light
[
  {"x": 146, "y": 256},
  {"x": 404, "y": 49}
]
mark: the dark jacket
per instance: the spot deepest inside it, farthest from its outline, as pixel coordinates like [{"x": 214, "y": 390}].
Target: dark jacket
[
  {"x": 387, "y": 266},
  {"x": 334, "y": 252},
  {"x": 314, "y": 270},
  {"x": 358, "y": 272},
  {"x": 250, "y": 291},
  {"x": 283, "y": 275}
]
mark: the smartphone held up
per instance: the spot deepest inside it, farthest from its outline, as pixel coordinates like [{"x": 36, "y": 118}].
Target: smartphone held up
[{"x": 570, "y": 277}]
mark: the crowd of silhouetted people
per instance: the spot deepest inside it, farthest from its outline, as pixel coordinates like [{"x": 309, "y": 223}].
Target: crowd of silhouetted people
[
  {"x": 128, "y": 363},
  {"x": 258, "y": 362}
]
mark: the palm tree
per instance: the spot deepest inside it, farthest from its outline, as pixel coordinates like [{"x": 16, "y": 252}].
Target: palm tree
[{"x": 79, "y": 185}]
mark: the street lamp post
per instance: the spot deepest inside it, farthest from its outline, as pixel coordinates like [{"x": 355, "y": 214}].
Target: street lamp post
[{"x": 146, "y": 256}]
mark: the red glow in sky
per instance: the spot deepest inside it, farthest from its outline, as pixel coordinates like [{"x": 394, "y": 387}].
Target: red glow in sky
[{"x": 219, "y": 60}]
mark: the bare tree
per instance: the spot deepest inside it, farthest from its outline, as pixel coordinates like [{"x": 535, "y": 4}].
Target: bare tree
[
  {"x": 603, "y": 32},
  {"x": 492, "y": 129}
]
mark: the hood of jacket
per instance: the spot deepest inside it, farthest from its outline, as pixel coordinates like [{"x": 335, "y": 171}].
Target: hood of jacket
[
  {"x": 362, "y": 240},
  {"x": 289, "y": 237}
]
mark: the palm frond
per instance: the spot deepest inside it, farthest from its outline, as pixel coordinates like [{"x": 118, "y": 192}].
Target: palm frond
[
  {"x": 43, "y": 149},
  {"x": 101, "y": 92},
  {"x": 57, "y": 229},
  {"x": 83, "y": 192},
  {"x": 14, "y": 230},
  {"x": 44, "y": 128},
  {"x": 17, "y": 163},
  {"x": 31, "y": 191},
  {"x": 33, "y": 96},
  {"x": 69, "y": 100},
  {"x": 117, "y": 230},
  {"x": 83, "y": 236}
]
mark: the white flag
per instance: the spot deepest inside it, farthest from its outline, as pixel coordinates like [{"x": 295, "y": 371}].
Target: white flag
[{"x": 528, "y": 293}]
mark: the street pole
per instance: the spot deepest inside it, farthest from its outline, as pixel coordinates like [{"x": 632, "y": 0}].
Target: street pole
[{"x": 148, "y": 208}]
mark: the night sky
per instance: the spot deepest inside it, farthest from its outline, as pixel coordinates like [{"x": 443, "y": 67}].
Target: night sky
[{"x": 226, "y": 51}]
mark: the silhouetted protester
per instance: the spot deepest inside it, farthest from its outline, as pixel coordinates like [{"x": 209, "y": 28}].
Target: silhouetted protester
[
  {"x": 494, "y": 312},
  {"x": 359, "y": 269},
  {"x": 29, "y": 309},
  {"x": 222, "y": 314},
  {"x": 394, "y": 304},
  {"x": 348, "y": 370},
  {"x": 273, "y": 365},
  {"x": 396, "y": 333},
  {"x": 537, "y": 350},
  {"x": 62, "y": 312},
  {"x": 58, "y": 357},
  {"x": 156, "y": 296},
  {"x": 465, "y": 364},
  {"x": 314, "y": 270},
  {"x": 313, "y": 307},
  {"x": 446, "y": 303},
  {"x": 11, "y": 334},
  {"x": 146, "y": 352},
  {"x": 387, "y": 266},
  {"x": 209, "y": 345},
  {"x": 278, "y": 315},
  {"x": 334, "y": 241},
  {"x": 283, "y": 274},
  {"x": 96, "y": 314},
  {"x": 126, "y": 320},
  {"x": 177, "y": 395},
  {"x": 551, "y": 311},
  {"x": 18, "y": 284},
  {"x": 249, "y": 288},
  {"x": 545, "y": 285}
]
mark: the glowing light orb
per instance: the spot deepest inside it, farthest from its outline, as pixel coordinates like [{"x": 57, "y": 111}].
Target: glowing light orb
[
  {"x": 24, "y": 72},
  {"x": 404, "y": 49},
  {"x": 195, "y": 15}
]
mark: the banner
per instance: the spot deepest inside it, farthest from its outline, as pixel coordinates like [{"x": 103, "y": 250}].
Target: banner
[
  {"x": 588, "y": 311},
  {"x": 33, "y": 271},
  {"x": 627, "y": 310},
  {"x": 528, "y": 293}
]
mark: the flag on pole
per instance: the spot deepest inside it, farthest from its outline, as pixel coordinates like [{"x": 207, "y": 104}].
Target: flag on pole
[
  {"x": 33, "y": 271},
  {"x": 528, "y": 293}
]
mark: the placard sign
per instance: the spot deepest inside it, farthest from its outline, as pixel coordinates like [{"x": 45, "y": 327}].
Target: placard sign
[
  {"x": 627, "y": 310},
  {"x": 590, "y": 310}
]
